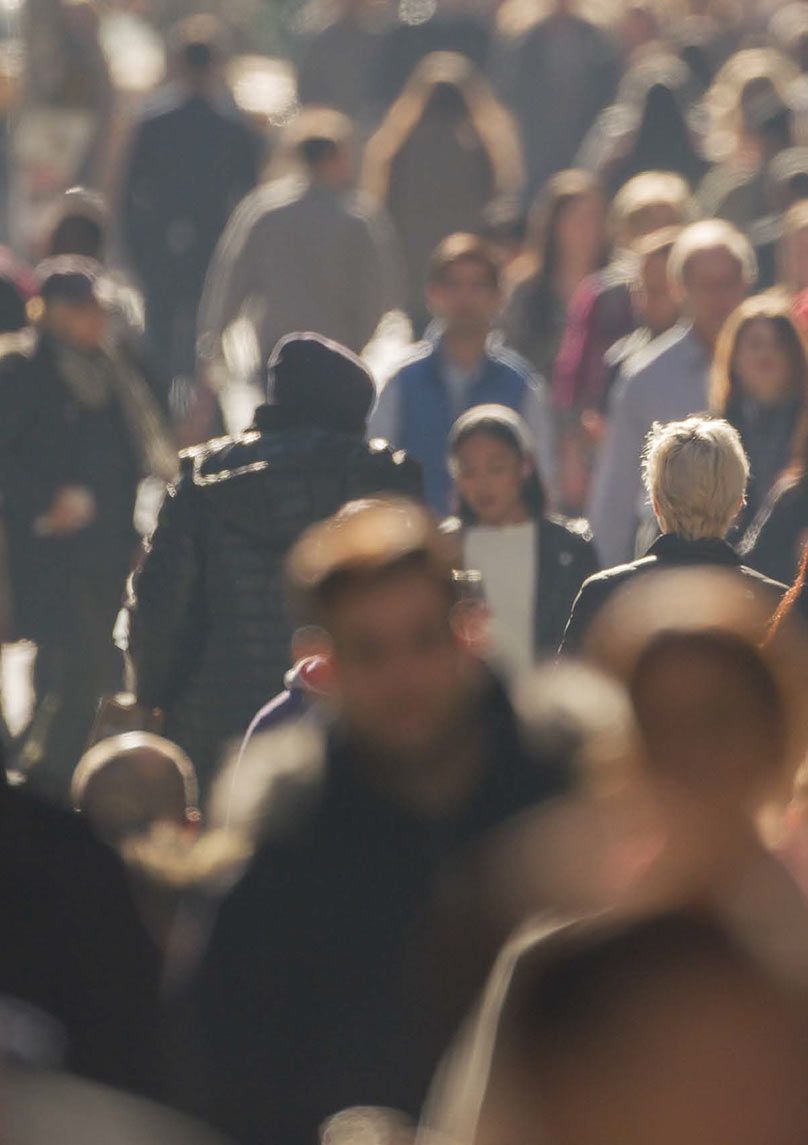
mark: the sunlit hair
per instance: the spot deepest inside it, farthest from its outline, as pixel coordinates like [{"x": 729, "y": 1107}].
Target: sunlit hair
[
  {"x": 451, "y": 78},
  {"x": 645, "y": 193},
  {"x": 707, "y": 236},
  {"x": 503, "y": 425},
  {"x": 696, "y": 472},
  {"x": 750, "y": 75},
  {"x": 120, "y": 748},
  {"x": 789, "y": 606},
  {"x": 725, "y": 392},
  {"x": 365, "y": 545},
  {"x": 462, "y": 248}
]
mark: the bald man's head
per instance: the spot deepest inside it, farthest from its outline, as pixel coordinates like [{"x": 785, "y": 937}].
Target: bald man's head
[{"x": 126, "y": 784}]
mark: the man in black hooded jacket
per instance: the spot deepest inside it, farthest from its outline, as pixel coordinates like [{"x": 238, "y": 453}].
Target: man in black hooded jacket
[{"x": 209, "y": 628}]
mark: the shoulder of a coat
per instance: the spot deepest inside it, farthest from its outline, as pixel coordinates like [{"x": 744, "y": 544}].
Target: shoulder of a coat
[
  {"x": 217, "y": 460},
  {"x": 422, "y": 353},
  {"x": 576, "y": 530},
  {"x": 379, "y": 449}
]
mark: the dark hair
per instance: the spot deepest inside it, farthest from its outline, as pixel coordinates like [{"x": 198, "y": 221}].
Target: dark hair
[
  {"x": 462, "y": 248},
  {"x": 198, "y": 44},
  {"x": 662, "y": 140},
  {"x": 319, "y": 133},
  {"x": 534, "y": 495},
  {"x": 563, "y": 191}
]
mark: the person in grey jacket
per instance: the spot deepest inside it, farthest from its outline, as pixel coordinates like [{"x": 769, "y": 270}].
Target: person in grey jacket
[
  {"x": 713, "y": 268},
  {"x": 302, "y": 254}
]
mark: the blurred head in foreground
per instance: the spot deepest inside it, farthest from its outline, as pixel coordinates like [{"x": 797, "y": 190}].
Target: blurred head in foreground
[
  {"x": 127, "y": 784},
  {"x": 720, "y": 707},
  {"x": 648, "y": 1032},
  {"x": 378, "y": 579},
  {"x": 582, "y": 852}
]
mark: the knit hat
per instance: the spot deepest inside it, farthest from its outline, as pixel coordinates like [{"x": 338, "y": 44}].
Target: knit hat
[{"x": 320, "y": 382}]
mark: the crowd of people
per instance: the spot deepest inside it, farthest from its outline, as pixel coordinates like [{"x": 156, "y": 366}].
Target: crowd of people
[{"x": 406, "y": 510}]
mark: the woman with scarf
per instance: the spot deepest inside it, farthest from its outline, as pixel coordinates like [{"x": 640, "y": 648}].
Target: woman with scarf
[{"x": 79, "y": 428}]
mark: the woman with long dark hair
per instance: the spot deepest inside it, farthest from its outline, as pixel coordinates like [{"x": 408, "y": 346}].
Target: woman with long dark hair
[
  {"x": 532, "y": 565},
  {"x": 568, "y": 242},
  {"x": 760, "y": 385}
]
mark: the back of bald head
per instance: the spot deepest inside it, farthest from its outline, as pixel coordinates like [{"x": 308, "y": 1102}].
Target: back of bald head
[{"x": 126, "y": 784}]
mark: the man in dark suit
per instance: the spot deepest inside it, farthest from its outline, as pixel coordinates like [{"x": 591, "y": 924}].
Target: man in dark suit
[
  {"x": 696, "y": 473},
  {"x": 193, "y": 158}
]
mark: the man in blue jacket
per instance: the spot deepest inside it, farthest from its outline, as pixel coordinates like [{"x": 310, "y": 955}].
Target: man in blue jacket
[{"x": 459, "y": 368}]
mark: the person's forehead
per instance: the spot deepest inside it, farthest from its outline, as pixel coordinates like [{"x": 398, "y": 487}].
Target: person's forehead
[
  {"x": 404, "y": 594},
  {"x": 467, "y": 267}
]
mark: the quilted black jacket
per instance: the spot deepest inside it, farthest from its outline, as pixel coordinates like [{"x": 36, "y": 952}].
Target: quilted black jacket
[{"x": 210, "y": 630}]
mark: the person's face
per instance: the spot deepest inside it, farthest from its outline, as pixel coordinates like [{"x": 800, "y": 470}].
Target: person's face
[
  {"x": 656, "y": 302},
  {"x": 762, "y": 364},
  {"x": 582, "y": 229},
  {"x": 466, "y": 299},
  {"x": 401, "y": 677},
  {"x": 83, "y": 326},
  {"x": 714, "y": 286},
  {"x": 490, "y": 479}
]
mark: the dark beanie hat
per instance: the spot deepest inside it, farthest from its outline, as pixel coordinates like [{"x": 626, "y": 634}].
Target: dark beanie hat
[{"x": 320, "y": 383}]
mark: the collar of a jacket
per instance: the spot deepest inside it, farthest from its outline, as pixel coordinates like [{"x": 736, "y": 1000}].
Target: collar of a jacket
[
  {"x": 269, "y": 418},
  {"x": 673, "y": 549}
]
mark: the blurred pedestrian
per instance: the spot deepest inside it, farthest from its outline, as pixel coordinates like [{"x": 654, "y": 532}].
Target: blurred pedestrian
[
  {"x": 191, "y": 160},
  {"x": 333, "y": 978},
  {"x": 556, "y": 77},
  {"x": 713, "y": 268},
  {"x": 460, "y": 368},
  {"x": 210, "y": 631},
  {"x": 532, "y": 564},
  {"x": 80, "y": 430},
  {"x": 759, "y": 383},
  {"x": 302, "y": 253},
  {"x": 568, "y": 243},
  {"x": 446, "y": 149}
]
